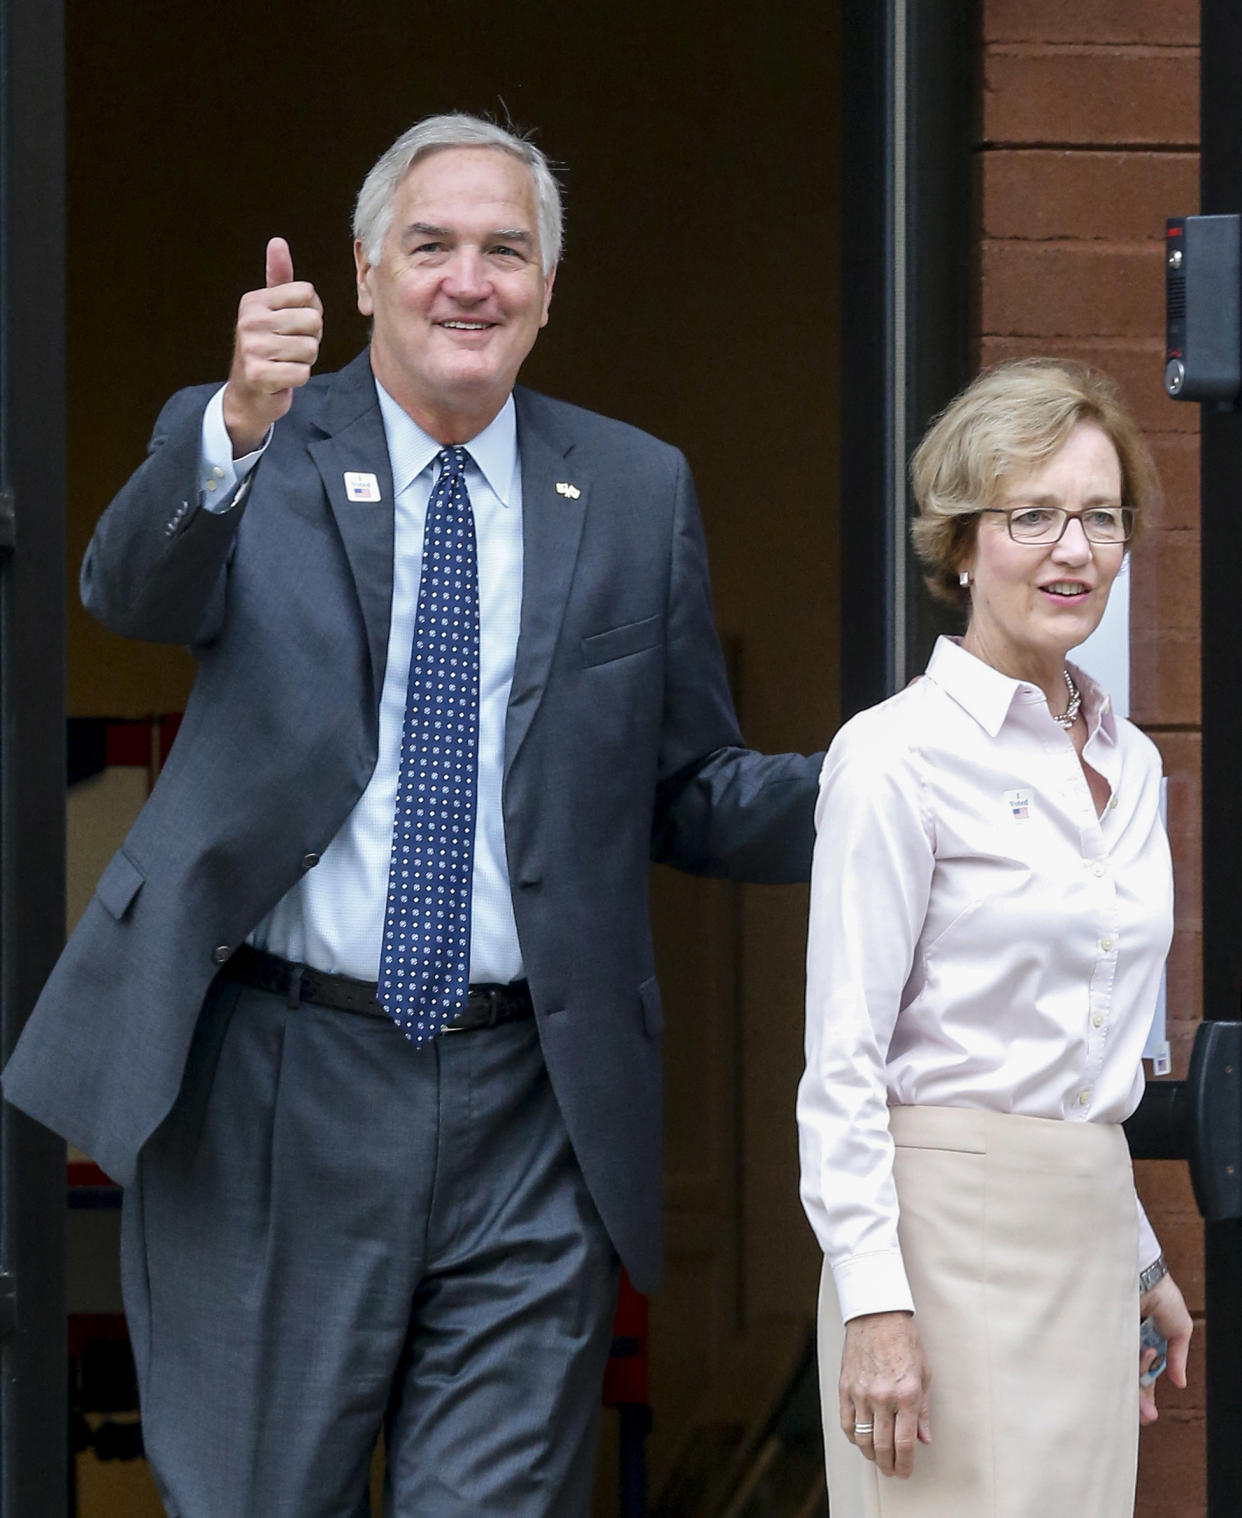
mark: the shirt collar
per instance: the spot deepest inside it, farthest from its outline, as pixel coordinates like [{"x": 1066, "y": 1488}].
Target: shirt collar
[
  {"x": 988, "y": 695},
  {"x": 976, "y": 687},
  {"x": 411, "y": 450}
]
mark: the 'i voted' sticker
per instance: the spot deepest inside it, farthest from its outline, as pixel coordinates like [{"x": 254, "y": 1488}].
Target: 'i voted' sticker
[
  {"x": 1019, "y": 804},
  {"x": 362, "y": 487}
]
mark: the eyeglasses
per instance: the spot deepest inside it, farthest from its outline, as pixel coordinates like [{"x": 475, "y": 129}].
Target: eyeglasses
[{"x": 1047, "y": 524}]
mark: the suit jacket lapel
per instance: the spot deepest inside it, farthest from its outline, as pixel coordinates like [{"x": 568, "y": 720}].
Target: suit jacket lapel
[
  {"x": 551, "y": 531},
  {"x": 352, "y": 440}
]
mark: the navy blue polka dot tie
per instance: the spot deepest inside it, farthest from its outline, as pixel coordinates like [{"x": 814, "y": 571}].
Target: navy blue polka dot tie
[{"x": 425, "y": 963}]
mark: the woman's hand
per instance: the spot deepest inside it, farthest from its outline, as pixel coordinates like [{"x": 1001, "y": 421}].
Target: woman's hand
[
  {"x": 884, "y": 1389},
  {"x": 1164, "y": 1304}
]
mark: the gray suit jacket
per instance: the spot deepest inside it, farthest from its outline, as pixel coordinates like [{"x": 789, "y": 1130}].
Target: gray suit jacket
[{"x": 621, "y": 745}]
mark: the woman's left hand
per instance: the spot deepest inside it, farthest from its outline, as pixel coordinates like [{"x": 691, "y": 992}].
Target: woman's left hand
[{"x": 1164, "y": 1304}]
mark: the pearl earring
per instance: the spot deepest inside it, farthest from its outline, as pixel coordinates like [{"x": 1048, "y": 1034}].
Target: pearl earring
[{"x": 963, "y": 578}]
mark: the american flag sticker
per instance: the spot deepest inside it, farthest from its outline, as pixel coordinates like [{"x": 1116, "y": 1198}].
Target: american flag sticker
[
  {"x": 362, "y": 487},
  {"x": 1019, "y": 804}
]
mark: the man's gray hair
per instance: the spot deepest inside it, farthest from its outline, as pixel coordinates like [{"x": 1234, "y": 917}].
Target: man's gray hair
[{"x": 373, "y": 209}]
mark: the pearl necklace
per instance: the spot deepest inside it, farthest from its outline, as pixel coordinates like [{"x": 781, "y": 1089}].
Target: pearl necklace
[{"x": 1069, "y": 716}]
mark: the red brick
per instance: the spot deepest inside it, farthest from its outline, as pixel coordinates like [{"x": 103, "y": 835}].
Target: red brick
[
  {"x": 1164, "y": 1186},
  {"x": 1183, "y": 764},
  {"x": 1177, "y": 458},
  {"x": 1185, "y": 976},
  {"x": 1093, "y": 95},
  {"x": 1164, "y": 582},
  {"x": 1164, "y": 678},
  {"x": 1167, "y": 21},
  {"x": 1121, "y": 196},
  {"x": 1182, "y": 755},
  {"x": 1187, "y": 851},
  {"x": 1071, "y": 289},
  {"x": 1135, "y": 363},
  {"x": 1180, "y": 752}
]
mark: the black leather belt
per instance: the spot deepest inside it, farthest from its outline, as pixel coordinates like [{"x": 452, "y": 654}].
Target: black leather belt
[{"x": 487, "y": 1004}]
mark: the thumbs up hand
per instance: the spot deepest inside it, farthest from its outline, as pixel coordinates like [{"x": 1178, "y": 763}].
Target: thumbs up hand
[
  {"x": 274, "y": 350},
  {"x": 277, "y": 264}
]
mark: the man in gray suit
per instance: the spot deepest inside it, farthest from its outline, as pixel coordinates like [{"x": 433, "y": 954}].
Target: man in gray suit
[{"x": 363, "y": 1013}]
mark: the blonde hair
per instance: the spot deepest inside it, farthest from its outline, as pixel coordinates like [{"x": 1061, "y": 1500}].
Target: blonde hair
[{"x": 1007, "y": 422}]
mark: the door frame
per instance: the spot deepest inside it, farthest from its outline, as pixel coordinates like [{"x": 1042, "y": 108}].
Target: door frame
[
  {"x": 910, "y": 83},
  {"x": 34, "y": 1461}
]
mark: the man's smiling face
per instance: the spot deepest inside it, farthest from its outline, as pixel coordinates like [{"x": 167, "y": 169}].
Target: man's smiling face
[{"x": 458, "y": 295}]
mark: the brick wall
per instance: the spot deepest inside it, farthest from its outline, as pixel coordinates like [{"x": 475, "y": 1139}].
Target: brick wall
[{"x": 1089, "y": 139}]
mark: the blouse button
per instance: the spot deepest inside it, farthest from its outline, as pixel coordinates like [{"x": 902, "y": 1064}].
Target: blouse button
[
  {"x": 1106, "y": 944},
  {"x": 1097, "y": 869},
  {"x": 1083, "y": 1098},
  {"x": 1096, "y": 1022}
]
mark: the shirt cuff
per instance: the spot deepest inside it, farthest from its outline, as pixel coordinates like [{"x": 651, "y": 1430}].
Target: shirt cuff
[
  {"x": 874, "y": 1282},
  {"x": 219, "y": 473}
]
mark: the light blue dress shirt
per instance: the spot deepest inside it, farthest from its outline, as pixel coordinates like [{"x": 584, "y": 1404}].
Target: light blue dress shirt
[{"x": 333, "y": 918}]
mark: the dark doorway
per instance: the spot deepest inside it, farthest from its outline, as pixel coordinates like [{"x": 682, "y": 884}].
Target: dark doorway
[
  {"x": 33, "y": 1458},
  {"x": 698, "y": 299}
]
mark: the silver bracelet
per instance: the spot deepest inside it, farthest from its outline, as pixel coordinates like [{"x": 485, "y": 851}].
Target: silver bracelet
[{"x": 1154, "y": 1272}]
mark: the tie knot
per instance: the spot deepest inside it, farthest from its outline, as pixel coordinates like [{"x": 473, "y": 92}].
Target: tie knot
[{"x": 452, "y": 461}]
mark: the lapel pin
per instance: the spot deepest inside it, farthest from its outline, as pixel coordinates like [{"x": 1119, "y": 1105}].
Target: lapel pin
[
  {"x": 361, "y": 487},
  {"x": 563, "y": 488}
]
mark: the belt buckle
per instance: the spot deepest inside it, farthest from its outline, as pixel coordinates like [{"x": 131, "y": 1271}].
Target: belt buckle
[
  {"x": 469, "y": 1027},
  {"x": 493, "y": 996}
]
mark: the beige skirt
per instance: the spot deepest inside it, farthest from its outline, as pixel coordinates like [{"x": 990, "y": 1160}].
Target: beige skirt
[{"x": 1019, "y": 1237}]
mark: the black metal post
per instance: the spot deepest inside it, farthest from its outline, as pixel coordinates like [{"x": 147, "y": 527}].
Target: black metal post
[
  {"x": 945, "y": 46},
  {"x": 868, "y": 372},
  {"x": 33, "y": 1397},
  {"x": 1221, "y": 171},
  {"x": 907, "y": 103}
]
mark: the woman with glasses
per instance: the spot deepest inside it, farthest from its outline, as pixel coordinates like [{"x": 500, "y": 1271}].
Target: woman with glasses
[{"x": 991, "y": 905}]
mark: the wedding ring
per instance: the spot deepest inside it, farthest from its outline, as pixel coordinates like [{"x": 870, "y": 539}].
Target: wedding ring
[{"x": 863, "y": 1428}]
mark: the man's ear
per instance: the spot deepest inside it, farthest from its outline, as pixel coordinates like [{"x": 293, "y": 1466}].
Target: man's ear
[
  {"x": 549, "y": 280},
  {"x": 362, "y": 272}
]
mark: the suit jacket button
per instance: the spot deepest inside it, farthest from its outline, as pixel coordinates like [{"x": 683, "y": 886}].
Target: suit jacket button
[
  {"x": 309, "y": 861},
  {"x": 221, "y": 953}
]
